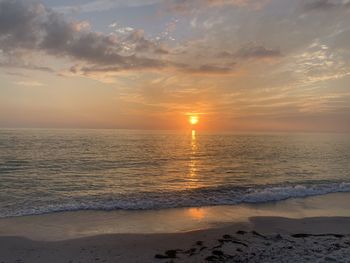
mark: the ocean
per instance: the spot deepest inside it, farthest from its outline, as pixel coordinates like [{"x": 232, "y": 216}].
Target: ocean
[{"x": 52, "y": 170}]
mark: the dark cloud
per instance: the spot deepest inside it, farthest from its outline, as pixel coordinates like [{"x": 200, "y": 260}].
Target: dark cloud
[
  {"x": 252, "y": 51},
  {"x": 143, "y": 63},
  {"x": 210, "y": 69},
  {"x": 19, "y": 24},
  {"x": 156, "y": 64},
  {"x": 324, "y": 4},
  {"x": 30, "y": 26}
]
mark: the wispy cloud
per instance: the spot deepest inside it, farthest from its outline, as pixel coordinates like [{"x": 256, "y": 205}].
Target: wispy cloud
[
  {"x": 102, "y": 5},
  {"x": 192, "y": 5},
  {"x": 325, "y": 4},
  {"x": 256, "y": 51},
  {"x": 29, "y": 83}
]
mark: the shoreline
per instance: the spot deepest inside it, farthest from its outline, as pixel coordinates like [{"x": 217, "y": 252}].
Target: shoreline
[
  {"x": 80, "y": 224},
  {"x": 261, "y": 239},
  {"x": 189, "y": 198},
  {"x": 312, "y": 229}
]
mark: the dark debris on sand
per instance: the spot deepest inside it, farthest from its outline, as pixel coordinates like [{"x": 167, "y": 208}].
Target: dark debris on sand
[{"x": 250, "y": 247}]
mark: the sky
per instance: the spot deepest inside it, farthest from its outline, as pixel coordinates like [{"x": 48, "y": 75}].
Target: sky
[{"x": 239, "y": 65}]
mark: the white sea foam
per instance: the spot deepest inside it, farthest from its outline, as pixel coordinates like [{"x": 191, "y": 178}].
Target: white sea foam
[
  {"x": 194, "y": 198},
  {"x": 284, "y": 192}
]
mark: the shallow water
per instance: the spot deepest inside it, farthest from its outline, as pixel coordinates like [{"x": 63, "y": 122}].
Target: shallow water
[
  {"x": 60, "y": 170},
  {"x": 72, "y": 225}
]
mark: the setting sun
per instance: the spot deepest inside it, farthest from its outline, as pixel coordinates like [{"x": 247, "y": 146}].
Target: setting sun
[{"x": 193, "y": 120}]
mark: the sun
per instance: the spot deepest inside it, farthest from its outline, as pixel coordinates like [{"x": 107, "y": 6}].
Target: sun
[{"x": 193, "y": 120}]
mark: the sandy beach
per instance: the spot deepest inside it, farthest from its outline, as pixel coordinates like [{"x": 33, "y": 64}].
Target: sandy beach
[
  {"x": 314, "y": 229},
  {"x": 263, "y": 239}
]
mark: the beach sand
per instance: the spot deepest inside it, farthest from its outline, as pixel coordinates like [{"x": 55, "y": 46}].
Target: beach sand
[
  {"x": 263, "y": 239},
  {"x": 310, "y": 234}
]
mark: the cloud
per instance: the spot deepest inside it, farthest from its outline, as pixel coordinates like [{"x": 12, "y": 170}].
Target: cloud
[
  {"x": 9, "y": 63},
  {"x": 250, "y": 51},
  {"x": 30, "y": 26},
  {"x": 253, "y": 51},
  {"x": 144, "y": 63},
  {"x": 173, "y": 5},
  {"x": 29, "y": 83},
  {"x": 211, "y": 69},
  {"x": 325, "y": 4},
  {"x": 104, "y": 72},
  {"x": 252, "y": 3},
  {"x": 102, "y": 5},
  {"x": 20, "y": 24},
  {"x": 184, "y": 6}
]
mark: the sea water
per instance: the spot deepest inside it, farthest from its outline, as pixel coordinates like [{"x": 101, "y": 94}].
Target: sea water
[{"x": 51, "y": 170}]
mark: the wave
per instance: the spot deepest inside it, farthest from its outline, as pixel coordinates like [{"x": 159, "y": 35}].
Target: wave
[{"x": 226, "y": 195}]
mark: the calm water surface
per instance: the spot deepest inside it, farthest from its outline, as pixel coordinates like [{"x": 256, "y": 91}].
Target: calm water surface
[{"x": 58, "y": 170}]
